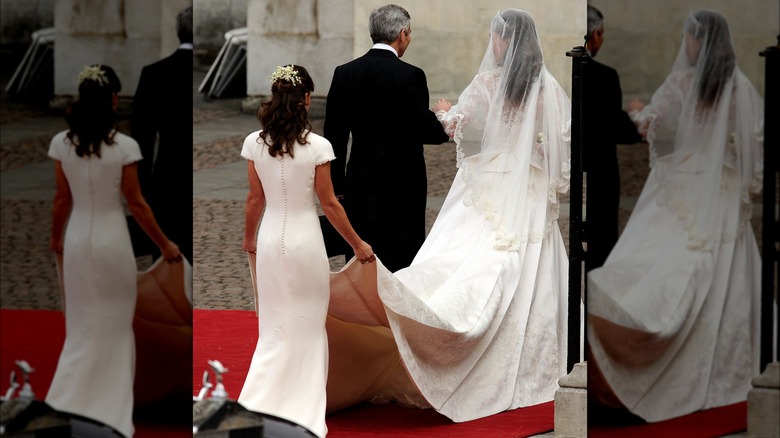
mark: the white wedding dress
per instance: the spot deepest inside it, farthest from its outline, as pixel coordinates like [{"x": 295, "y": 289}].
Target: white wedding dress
[
  {"x": 479, "y": 330},
  {"x": 674, "y": 330},
  {"x": 94, "y": 376},
  {"x": 476, "y": 325},
  {"x": 289, "y": 367},
  {"x": 674, "y": 312}
]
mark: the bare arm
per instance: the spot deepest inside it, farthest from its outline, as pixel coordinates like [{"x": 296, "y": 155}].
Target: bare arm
[
  {"x": 337, "y": 216},
  {"x": 253, "y": 210},
  {"x": 143, "y": 214},
  {"x": 61, "y": 207}
]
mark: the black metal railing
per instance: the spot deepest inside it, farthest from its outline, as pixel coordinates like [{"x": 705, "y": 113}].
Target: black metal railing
[
  {"x": 577, "y": 254},
  {"x": 770, "y": 240}
]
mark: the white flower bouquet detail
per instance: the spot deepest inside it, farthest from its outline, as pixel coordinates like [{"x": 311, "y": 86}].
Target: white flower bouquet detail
[
  {"x": 286, "y": 73},
  {"x": 93, "y": 73}
]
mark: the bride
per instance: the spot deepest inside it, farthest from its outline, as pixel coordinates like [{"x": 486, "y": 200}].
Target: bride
[
  {"x": 672, "y": 324},
  {"x": 477, "y": 324}
]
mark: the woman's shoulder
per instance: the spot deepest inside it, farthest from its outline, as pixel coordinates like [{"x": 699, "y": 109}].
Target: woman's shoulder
[
  {"x": 124, "y": 139},
  {"x": 681, "y": 79},
  {"x": 487, "y": 76},
  {"x": 250, "y": 145},
  {"x": 318, "y": 142},
  {"x": 487, "y": 80},
  {"x": 313, "y": 138},
  {"x": 320, "y": 148},
  {"x": 253, "y": 136},
  {"x": 60, "y": 138},
  {"x": 59, "y": 143}
]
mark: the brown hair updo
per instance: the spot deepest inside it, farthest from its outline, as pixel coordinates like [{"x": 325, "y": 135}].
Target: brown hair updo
[
  {"x": 91, "y": 119},
  {"x": 284, "y": 118}
]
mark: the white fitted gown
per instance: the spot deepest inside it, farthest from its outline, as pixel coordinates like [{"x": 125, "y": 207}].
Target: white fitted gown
[
  {"x": 94, "y": 376},
  {"x": 289, "y": 368}
]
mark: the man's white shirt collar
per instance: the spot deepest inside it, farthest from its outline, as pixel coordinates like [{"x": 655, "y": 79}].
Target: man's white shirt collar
[
  {"x": 186, "y": 46},
  {"x": 384, "y": 46}
]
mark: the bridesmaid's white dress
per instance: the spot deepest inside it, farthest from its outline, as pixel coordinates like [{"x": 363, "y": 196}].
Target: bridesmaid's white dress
[
  {"x": 94, "y": 376},
  {"x": 289, "y": 368}
]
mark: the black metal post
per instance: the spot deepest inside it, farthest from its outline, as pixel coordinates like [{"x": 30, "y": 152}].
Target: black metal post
[
  {"x": 770, "y": 239},
  {"x": 580, "y": 60}
]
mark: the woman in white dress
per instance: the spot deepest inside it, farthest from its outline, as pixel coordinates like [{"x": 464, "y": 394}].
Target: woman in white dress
[
  {"x": 95, "y": 166},
  {"x": 288, "y": 166},
  {"x": 477, "y": 323},
  {"x": 673, "y": 313}
]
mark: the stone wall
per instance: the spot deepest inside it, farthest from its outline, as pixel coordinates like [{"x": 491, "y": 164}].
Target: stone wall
[
  {"x": 212, "y": 18},
  {"x": 448, "y": 40},
  {"x": 449, "y": 37},
  {"x": 20, "y": 18},
  {"x": 317, "y": 34},
  {"x": 642, "y": 38},
  {"x": 125, "y": 35}
]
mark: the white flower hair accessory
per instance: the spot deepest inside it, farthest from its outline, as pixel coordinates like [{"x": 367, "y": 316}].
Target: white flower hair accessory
[
  {"x": 286, "y": 73},
  {"x": 93, "y": 73}
]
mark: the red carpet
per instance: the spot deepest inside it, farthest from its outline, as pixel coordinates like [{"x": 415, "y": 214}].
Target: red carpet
[
  {"x": 37, "y": 336},
  {"x": 703, "y": 424},
  {"x": 230, "y": 336}
]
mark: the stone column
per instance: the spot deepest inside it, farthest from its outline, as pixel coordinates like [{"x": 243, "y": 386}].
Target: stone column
[
  {"x": 764, "y": 404},
  {"x": 315, "y": 34},
  {"x": 571, "y": 403},
  {"x": 126, "y": 35}
]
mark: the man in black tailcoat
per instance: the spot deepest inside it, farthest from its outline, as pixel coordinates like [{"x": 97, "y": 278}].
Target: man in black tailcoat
[
  {"x": 384, "y": 103},
  {"x": 162, "y": 115},
  {"x": 606, "y": 124}
]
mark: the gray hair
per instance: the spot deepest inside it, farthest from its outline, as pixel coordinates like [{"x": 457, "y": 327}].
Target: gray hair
[
  {"x": 386, "y": 22},
  {"x": 184, "y": 25},
  {"x": 595, "y": 21}
]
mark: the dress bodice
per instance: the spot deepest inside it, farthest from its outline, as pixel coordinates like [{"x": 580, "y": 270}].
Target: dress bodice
[
  {"x": 288, "y": 186},
  {"x": 95, "y": 182},
  {"x": 288, "y": 182}
]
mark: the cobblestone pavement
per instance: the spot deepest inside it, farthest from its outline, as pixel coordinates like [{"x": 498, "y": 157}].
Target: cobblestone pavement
[{"x": 221, "y": 274}]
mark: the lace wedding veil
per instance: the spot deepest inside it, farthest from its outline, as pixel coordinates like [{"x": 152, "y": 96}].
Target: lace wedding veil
[
  {"x": 511, "y": 129},
  {"x": 704, "y": 129}
]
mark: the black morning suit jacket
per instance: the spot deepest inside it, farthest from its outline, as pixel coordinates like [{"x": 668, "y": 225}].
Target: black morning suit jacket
[
  {"x": 384, "y": 103},
  {"x": 605, "y": 125},
  {"x": 163, "y": 105}
]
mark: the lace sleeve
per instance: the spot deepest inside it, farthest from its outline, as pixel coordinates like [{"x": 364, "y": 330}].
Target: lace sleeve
[
  {"x": 470, "y": 110},
  {"x": 449, "y": 119},
  {"x": 658, "y": 120}
]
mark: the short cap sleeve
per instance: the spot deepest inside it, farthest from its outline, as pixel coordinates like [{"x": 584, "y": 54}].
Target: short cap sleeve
[
  {"x": 131, "y": 152},
  {"x": 322, "y": 150},
  {"x": 250, "y": 146},
  {"x": 57, "y": 146}
]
